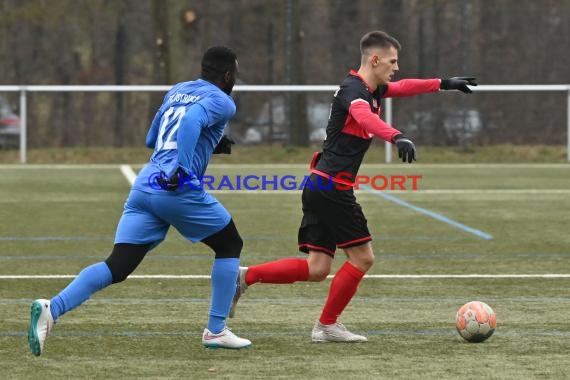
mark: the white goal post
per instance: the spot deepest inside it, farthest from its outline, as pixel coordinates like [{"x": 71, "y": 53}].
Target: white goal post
[{"x": 23, "y": 90}]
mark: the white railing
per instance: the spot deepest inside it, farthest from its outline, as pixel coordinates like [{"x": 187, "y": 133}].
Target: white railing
[{"x": 23, "y": 90}]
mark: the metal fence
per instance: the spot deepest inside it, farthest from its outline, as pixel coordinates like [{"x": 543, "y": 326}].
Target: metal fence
[{"x": 388, "y": 110}]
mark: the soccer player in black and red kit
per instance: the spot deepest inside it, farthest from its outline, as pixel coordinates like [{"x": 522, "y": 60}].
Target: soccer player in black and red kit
[{"x": 331, "y": 215}]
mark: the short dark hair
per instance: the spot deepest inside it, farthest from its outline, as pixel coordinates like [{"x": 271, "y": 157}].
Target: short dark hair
[
  {"x": 217, "y": 61},
  {"x": 379, "y": 39}
]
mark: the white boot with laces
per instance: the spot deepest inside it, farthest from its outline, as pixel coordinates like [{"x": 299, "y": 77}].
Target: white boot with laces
[
  {"x": 334, "y": 333},
  {"x": 224, "y": 339}
]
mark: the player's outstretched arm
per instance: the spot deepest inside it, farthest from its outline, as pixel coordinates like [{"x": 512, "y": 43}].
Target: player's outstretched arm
[{"x": 458, "y": 83}]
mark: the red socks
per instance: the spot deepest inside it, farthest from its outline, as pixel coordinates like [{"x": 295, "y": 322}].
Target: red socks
[
  {"x": 284, "y": 271},
  {"x": 343, "y": 287}
]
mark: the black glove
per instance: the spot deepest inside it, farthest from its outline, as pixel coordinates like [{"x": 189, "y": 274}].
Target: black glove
[
  {"x": 224, "y": 146},
  {"x": 406, "y": 148},
  {"x": 172, "y": 183},
  {"x": 458, "y": 83}
]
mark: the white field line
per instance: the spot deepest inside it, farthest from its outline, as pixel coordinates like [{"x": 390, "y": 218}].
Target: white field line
[
  {"x": 129, "y": 173},
  {"x": 370, "y": 276}
]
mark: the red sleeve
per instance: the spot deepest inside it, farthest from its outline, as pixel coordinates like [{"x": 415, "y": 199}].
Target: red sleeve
[
  {"x": 410, "y": 87},
  {"x": 360, "y": 111}
]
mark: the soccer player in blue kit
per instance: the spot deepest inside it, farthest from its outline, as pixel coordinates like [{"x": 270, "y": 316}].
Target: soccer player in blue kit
[{"x": 187, "y": 129}]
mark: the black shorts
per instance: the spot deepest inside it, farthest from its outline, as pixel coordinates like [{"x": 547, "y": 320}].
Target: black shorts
[{"x": 331, "y": 218}]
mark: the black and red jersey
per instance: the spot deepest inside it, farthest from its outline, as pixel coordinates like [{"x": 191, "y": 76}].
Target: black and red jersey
[{"x": 355, "y": 118}]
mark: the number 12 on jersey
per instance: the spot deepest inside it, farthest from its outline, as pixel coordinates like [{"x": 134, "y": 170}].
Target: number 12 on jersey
[{"x": 170, "y": 123}]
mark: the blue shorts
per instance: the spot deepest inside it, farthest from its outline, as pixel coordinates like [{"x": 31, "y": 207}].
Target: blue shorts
[{"x": 146, "y": 218}]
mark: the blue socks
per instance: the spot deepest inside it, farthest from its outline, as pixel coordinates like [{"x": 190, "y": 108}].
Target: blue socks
[
  {"x": 224, "y": 276},
  {"x": 90, "y": 280},
  {"x": 98, "y": 276}
]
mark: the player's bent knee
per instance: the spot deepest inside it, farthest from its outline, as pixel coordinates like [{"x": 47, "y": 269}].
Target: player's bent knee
[
  {"x": 318, "y": 274},
  {"x": 367, "y": 261},
  {"x": 230, "y": 249},
  {"x": 226, "y": 243},
  {"x": 363, "y": 263},
  {"x": 124, "y": 259},
  {"x": 361, "y": 257}
]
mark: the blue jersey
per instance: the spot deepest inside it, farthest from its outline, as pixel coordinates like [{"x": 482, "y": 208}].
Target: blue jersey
[{"x": 185, "y": 131}]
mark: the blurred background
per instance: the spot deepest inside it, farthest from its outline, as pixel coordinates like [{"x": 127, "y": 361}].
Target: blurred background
[{"x": 160, "y": 42}]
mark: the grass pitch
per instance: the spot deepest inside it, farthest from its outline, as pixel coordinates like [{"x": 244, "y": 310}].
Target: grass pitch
[{"x": 57, "y": 220}]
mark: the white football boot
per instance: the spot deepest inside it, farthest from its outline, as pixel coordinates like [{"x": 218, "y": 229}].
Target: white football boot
[
  {"x": 240, "y": 289},
  {"x": 334, "y": 333},
  {"x": 41, "y": 324},
  {"x": 224, "y": 339}
]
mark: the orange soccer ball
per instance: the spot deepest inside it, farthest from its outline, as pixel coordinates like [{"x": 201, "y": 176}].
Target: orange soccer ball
[{"x": 475, "y": 321}]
